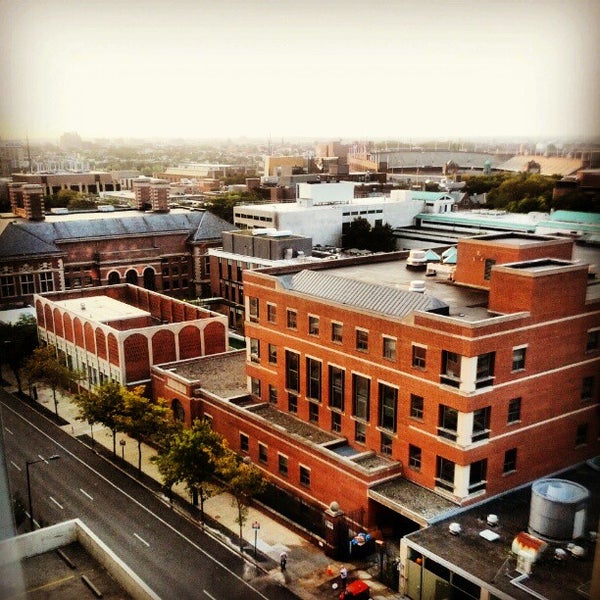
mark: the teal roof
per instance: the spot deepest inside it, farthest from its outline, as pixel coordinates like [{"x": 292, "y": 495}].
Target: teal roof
[{"x": 571, "y": 216}]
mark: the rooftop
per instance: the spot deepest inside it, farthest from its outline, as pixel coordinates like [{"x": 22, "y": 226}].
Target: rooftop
[
  {"x": 102, "y": 308},
  {"x": 493, "y": 562}
]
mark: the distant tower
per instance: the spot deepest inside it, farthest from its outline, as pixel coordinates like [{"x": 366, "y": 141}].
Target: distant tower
[
  {"x": 141, "y": 189},
  {"x": 159, "y": 195},
  {"x": 27, "y": 200}
]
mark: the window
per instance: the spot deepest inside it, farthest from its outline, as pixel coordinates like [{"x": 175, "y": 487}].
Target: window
[
  {"x": 518, "y": 358},
  {"x": 388, "y": 406},
  {"x": 414, "y": 457},
  {"x": 587, "y": 388},
  {"x": 386, "y": 444},
  {"x": 447, "y": 422},
  {"x": 336, "y": 422},
  {"x": 244, "y": 442},
  {"x": 389, "y": 348},
  {"x": 416, "y": 406},
  {"x": 304, "y": 476},
  {"x": 253, "y": 308},
  {"x": 510, "y": 461},
  {"x": 487, "y": 269},
  {"x": 263, "y": 455},
  {"x": 444, "y": 473},
  {"x": 313, "y": 378},
  {"x": 485, "y": 369},
  {"x": 360, "y": 397},
  {"x": 272, "y": 394},
  {"x": 7, "y": 286},
  {"x": 514, "y": 410},
  {"x": 419, "y": 354},
  {"x": 360, "y": 432},
  {"x": 292, "y": 371},
  {"x": 581, "y": 434},
  {"x": 451, "y": 368},
  {"x": 255, "y": 386},
  {"x": 271, "y": 313},
  {"x": 593, "y": 340},
  {"x": 336, "y": 387},
  {"x": 313, "y": 325},
  {"x": 292, "y": 319},
  {"x": 313, "y": 412},
  {"x": 272, "y": 354},
  {"x": 254, "y": 350},
  {"x": 481, "y": 424},
  {"x": 477, "y": 476},
  {"x": 27, "y": 284},
  {"x": 46, "y": 282},
  {"x": 282, "y": 463},
  {"x": 336, "y": 332},
  {"x": 292, "y": 403},
  {"x": 362, "y": 340}
]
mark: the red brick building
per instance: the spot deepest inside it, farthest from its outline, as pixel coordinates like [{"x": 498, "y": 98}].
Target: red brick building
[
  {"x": 462, "y": 386},
  {"x": 118, "y": 332}
]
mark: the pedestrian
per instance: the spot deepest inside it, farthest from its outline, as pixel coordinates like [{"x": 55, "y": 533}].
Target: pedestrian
[
  {"x": 343, "y": 577},
  {"x": 283, "y": 560}
]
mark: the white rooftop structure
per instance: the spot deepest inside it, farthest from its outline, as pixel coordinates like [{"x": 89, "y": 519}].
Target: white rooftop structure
[{"x": 103, "y": 309}]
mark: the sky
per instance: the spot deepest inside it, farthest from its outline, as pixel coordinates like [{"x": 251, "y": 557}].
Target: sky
[{"x": 393, "y": 69}]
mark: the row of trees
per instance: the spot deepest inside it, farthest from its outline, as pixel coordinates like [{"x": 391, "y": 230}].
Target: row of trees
[
  {"x": 360, "y": 234},
  {"x": 196, "y": 456}
]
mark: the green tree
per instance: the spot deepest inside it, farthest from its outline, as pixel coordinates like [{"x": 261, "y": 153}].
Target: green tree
[
  {"x": 104, "y": 404},
  {"x": 358, "y": 234},
  {"x": 43, "y": 366},
  {"x": 191, "y": 456},
  {"x": 244, "y": 481},
  {"x": 142, "y": 418},
  {"x": 17, "y": 342},
  {"x": 382, "y": 238}
]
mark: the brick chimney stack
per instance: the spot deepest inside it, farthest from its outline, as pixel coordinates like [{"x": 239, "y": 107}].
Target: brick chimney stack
[{"x": 27, "y": 200}]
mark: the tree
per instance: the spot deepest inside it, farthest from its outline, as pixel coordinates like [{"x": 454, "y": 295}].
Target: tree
[
  {"x": 105, "y": 405},
  {"x": 142, "y": 418},
  {"x": 192, "y": 456},
  {"x": 382, "y": 238},
  {"x": 43, "y": 366},
  {"x": 17, "y": 342},
  {"x": 244, "y": 481},
  {"x": 358, "y": 234}
]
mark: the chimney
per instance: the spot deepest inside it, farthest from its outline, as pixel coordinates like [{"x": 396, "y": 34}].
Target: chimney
[{"x": 27, "y": 200}]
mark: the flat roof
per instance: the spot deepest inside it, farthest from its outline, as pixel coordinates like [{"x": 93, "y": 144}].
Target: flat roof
[
  {"x": 492, "y": 562},
  {"x": 103, "y": 309}
]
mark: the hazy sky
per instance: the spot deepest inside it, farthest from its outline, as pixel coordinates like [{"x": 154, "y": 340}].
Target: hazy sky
[{"x": 317, "y": 68}]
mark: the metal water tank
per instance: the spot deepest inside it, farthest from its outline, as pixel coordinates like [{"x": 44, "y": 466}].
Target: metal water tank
[{"x": 558, "y": 509}]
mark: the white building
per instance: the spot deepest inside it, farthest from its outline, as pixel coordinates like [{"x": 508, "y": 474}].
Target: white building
[{"x": 322, "y": 210}]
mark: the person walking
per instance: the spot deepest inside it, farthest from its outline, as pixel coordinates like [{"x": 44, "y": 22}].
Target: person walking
[
  {"x": 343, "y": 577},
  {"x": 283, "y": 560}
]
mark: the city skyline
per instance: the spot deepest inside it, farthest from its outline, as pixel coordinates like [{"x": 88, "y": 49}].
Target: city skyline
[{"x": 340, "y": 70}]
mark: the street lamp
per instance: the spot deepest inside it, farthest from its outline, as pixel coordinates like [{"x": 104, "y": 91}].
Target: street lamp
[{"x": 28, "y": 463}]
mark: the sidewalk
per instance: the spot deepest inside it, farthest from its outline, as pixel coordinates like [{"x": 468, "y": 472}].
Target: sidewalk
[{"x": 310, "y": 574}]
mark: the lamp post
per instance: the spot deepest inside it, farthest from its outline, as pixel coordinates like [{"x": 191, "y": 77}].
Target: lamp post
[{"x": 28, "y": 463}]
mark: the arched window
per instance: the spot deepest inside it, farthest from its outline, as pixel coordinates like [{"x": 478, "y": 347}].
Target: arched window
[
  {"x": 114, "y": 278},
  {"x": 131, "y": 277},
  {"x": 178, "y": 410},
  {"x": 149, "y": 282}
]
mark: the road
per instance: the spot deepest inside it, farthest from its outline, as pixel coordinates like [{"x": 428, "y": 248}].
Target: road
[{"x": 171, "y": 554}]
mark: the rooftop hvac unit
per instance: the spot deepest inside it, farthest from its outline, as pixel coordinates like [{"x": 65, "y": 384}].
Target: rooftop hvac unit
[{"x": 558, "y": 509}]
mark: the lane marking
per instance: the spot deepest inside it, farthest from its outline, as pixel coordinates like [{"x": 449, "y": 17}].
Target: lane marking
[
  {"x": 55, "y": 502},
  {"x": 209, "y": 595},
  {"x": 142, "y": 540},
  {"x": 9, "y": 431},
  {"x": 222, "y": 565},
  {"x": 16, "y": 466},
  {"x": 85, "y": 493}
]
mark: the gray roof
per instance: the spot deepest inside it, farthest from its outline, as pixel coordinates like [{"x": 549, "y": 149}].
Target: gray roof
[
  {"x": 41, "y": 237},
  {"x": 360, "y": 294}
]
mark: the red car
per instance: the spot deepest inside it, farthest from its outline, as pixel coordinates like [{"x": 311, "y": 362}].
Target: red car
[{"x": 356, "y": 590}]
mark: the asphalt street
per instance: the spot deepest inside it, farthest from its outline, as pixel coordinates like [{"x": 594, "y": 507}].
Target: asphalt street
[{"x": 171, "y": 554}]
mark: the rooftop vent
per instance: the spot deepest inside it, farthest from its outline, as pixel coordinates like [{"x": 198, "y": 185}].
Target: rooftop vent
[
  {"x": 454, "y": 528},
  {"x": 417, "y": 286}
]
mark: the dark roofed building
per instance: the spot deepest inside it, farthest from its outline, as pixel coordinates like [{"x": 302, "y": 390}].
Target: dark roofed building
[{"x": 159, "y": 251}]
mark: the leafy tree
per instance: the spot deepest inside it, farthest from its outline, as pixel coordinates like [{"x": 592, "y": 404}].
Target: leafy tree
[
  {"x": 382, "y": 238},
  {"x": 192, "y": 456},
  {"x": 17, "y": 342},
  {"x": 44, "y": 366},
  {"x": 244, "y": 481},
  {"x": 358, "y": 234},
  {"x": 105, "y": 405},
  {"x": 142, "y": 418}
]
